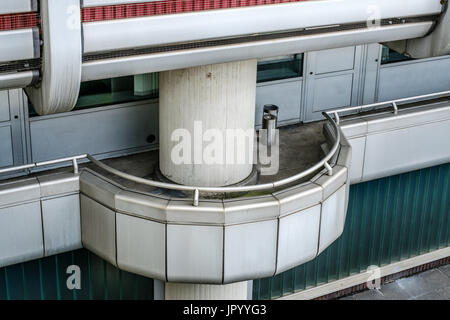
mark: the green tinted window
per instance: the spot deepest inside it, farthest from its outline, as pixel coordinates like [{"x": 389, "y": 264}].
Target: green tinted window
[
  {"x": 391, "y": 56},
  {"x": 117, "y": 90},
  {"x": 280, "y": 68}
]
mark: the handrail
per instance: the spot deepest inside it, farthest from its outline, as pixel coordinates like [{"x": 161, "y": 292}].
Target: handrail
[
  {"x": 393, "y": 103},
  {"x": 196, "y": 189},
  {"x": 73, "y": 159}
]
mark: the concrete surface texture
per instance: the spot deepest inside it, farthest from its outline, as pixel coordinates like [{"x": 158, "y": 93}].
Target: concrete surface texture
[{"x": 433, "y": 284}]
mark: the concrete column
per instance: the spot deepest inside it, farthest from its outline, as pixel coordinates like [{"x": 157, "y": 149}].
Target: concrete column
[
  {"x": 186, "y": 291},
  {"x": 218, "y": 97}
]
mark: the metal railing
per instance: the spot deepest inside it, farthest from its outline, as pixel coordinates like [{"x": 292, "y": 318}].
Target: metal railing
[
  {"x": 196, "y": 189},
  {"x": 260, "y": 187},
  {"x": 393, "y": 103}
]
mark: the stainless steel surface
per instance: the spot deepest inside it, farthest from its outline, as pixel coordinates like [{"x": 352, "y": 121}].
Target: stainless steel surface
[
  {"x": 61, "y": 224},
  {"x": 98, "y": 229},
  {"x": 298, "y": 238},
  {"x": 18, "y": 79}
]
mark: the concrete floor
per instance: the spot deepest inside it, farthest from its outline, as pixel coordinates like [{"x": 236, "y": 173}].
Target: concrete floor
[{"x": 433, "y": 284}]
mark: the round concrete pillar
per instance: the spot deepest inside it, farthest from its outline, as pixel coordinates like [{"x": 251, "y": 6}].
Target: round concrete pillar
[
  {"x": 186, "y": 291},
  {"x": 206, "y": 119}
]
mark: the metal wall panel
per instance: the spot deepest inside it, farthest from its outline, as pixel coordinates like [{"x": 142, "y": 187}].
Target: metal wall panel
[
  {"x": 412, "y": 78},
  {"x": 4, "y": 106},
  {"x": 21, "y": 233},
  {"x": 61, "y": 223},
  {"x": 6, "y": 151},
  {"x": 286, "y": 94},
  {"x": 96, "y": 131},
  {"x": 388, "y": 220}
]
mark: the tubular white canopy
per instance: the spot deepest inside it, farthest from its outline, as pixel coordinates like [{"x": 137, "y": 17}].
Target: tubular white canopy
[{"x": 15, "y": 6}]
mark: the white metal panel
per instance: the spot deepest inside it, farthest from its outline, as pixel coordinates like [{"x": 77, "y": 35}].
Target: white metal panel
[
  {"x": 358, "y": 150},
  {"x": 61, "y": 222},
  {"x": 250, "y": 250},
  {"x": 333, "y": 218},
  {"x": 18, "y": 45},
  {"x": 110, "y": 68},
  {"x": 397, "y": 151},
  {"x": 16, "y": 6},
  {"x": 141, "y": 246},
  {"x": 194, "y": 253},
  {"x": 20, "y": 233},
  {"x": 98, "y": 3},
  {"x": 148, "y": 31},
  {"x": 298, "y": 238}
]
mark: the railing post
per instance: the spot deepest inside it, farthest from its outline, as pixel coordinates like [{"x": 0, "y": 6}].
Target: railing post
[
  {"x": 329, "y": 168},
  {"x": 196, "y": 197},
  {"x": 75, "y": 166}
]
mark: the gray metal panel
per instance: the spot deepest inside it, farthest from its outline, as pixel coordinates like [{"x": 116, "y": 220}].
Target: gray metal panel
[
  {"x": 332, "y": 218},
  {"x": 98, "y": 189},
  {"x": 252, "y": 209},
  {"x": 285, "y": 94},
  {"x": 19, "y": 192},
  {"x": 358, "y": 153},
  {"x": 61, "y": 222},
  {"x": 207, "y": 212},
  {"x": 412, "y": 78},
  {"x": 20, "y": 233},
  {"x": 94, "y": 131},
  {"x": 141, "y": 205},
  {"x": 331, "y": 183},
  {"x": 98, "y": 229},
  {"x": 6, "y": 151},
  {"x": 4, "y": 106},
  {"x": 250, "y": 250},
  {"x": 194, "y": 253},
  {"x": 333, "y": 60},
  {"x": 298, "y": 197},
  {"x": 406, "y": 149},
  {"x": 332, "y": 92},
  {"x": 59, "y": 183},
  {"x": 298, "y": 238},
  {"x": 141, "y": 246}
]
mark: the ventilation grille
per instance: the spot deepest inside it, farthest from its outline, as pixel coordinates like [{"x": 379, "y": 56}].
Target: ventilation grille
[
  {"x": 19, "y": 66},
  {"x": 19, "y": 21},
  {"x": 154, "y": 8}
]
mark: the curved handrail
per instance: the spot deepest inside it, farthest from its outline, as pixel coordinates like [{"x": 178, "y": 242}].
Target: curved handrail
[
  {"x": 172, "y": 186},
  {"x": 197, "y": 189}
]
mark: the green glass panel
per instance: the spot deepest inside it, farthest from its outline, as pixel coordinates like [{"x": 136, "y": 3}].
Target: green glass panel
[{"x": 282, "y": 68}]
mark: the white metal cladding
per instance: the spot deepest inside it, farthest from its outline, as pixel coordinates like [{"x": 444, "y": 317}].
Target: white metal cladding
[
  {"x": 17, "y": 79},
  {"x": 97, "y": 3},
  {"x": 61, "y": 72},
  {"x": 387, "y": 144},
  {"x": 17, "y": 6},
  {"x": 157, "y": 30},
  {"x": 117, "y": 67},
  {"x": 20, "y": 44}
]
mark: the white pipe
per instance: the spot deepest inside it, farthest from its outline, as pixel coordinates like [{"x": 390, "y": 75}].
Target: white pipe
[
  {"x": 17, "y": 80},
  {"x": 118, "y": 67},
  {"x": 185, "y": 27},
  {"x": 20, "y": 44}
]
